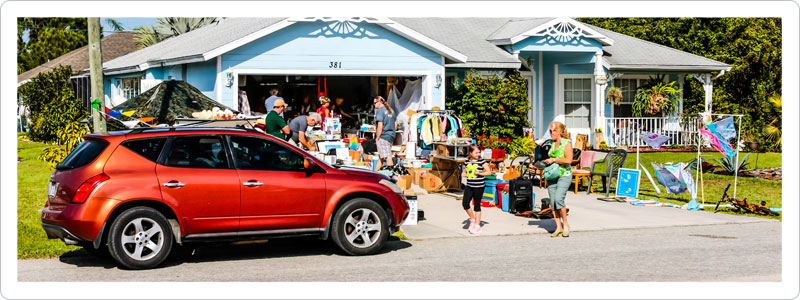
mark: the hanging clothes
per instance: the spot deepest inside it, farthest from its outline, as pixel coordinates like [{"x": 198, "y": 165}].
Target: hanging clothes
[
  {"x": 320, "y": 82},
  {"x": 675, "y": 178},
  {"x": 244, "y": 104},
  {"x": 654, "y": 140}
]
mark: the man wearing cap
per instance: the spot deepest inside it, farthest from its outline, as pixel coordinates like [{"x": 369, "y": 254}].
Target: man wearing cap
[{"x": 274, "y": 123}]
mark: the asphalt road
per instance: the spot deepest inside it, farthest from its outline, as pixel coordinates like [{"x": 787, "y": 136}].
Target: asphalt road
[{"x": 730, "y": 253}]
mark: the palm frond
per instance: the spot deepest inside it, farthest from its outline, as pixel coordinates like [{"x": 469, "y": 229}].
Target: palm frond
[{"x": 115, "y": 25}]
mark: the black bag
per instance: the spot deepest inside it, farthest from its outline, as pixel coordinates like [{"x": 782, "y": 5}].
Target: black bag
[
  {"x": 520, "y": 195},
  {"x": 541, "y": 152},
  {"x": 369, "y": 146}
]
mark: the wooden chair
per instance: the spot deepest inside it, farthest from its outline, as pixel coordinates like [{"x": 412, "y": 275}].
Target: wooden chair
[{"x": 613, "y": 162}]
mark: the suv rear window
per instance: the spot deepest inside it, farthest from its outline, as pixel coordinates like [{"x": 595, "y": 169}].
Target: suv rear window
[
  {"x": 148, "y": 148},
  {"x": 85, "y": 153}
]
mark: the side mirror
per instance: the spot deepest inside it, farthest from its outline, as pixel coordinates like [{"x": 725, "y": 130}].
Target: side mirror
[{"x": 309, "y": 164}]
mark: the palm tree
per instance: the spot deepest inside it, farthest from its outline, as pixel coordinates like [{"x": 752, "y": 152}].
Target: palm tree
[
  {"x": 773, "y": 130},
  {"x": 167, "y": 28},
  {"x": 115, "y": 25}
]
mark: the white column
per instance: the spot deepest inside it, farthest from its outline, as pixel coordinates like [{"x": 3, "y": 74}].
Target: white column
[
  {"x": 600, "y": 89},
  {"x": 708, "y": 86}
]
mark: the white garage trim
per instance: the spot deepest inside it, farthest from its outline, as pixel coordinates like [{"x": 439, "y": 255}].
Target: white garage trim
[{"x": 426, "y": 77}]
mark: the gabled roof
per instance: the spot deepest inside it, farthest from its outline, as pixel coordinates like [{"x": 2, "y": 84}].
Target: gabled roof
[
  {"x": 217, "y": 38},
  {"x": 516, "y": 31},
  {"x": 630, "y": 53},
  {"x": 468, "y": 36},
  {"x": 113, "y": 46},
  {"x": 465, "y": 42}
]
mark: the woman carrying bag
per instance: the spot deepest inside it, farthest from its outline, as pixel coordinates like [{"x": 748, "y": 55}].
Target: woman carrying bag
[{"x": 559, "y": 176}]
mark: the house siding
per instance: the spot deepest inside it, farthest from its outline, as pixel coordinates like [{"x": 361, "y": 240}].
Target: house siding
[{"x": 310, "y": 47}]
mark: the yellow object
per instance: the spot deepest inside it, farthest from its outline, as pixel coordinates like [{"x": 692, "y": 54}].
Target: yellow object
[
  {"x": 471, "y": 170},
  {"x": 128, "y": 113}
]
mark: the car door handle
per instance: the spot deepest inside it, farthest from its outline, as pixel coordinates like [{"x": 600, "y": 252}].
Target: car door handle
[
  {"x": 174, "y": 184},
  {"x": 253, "y": 183}
]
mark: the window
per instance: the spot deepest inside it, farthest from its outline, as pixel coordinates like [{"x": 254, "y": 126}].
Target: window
[
  {"x": 577, "y": 102},
  {"x": 148, "y": 148},
  {"x": 85, "y": 153},
  {"x": 628, "y": 87},
  {"x": 197, "y": 152},
  {"x": 130, "y": 87},
  {"x": 261, "y": 154}
]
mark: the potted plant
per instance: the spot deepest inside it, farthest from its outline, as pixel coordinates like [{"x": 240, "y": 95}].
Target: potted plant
[
  {"x": 598, "y": 136},
  {"x": 655, "y": 97},
  {"x": 614, "y": 95}
]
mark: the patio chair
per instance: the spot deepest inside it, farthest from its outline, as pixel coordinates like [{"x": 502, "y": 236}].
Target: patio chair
[{"x": 613, "y": 162}]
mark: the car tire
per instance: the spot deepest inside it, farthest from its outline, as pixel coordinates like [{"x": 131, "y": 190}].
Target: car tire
[
  {"x": 140, "y": 238},
  {"x": 360, "y": 227}
]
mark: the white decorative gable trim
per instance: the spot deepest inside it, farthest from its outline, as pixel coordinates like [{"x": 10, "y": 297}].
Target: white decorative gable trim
[
  {"x": 561, "y": 29},
  {"x": 386, "y": 23}
]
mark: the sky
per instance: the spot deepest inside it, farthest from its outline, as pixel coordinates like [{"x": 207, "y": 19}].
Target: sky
[{"x": 128, "y": 23}]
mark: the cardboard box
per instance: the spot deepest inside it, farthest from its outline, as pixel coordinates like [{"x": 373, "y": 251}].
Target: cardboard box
[
  {"x": 430, "y": 182},
  {"x": 404, "y": 182},
  {"x": 416, "y": 174}
]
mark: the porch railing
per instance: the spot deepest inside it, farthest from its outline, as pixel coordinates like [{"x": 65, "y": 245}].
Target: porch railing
[{"x": 623, "y": 131}]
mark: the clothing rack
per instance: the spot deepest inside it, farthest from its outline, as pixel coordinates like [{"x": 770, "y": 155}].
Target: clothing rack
[{"x": 427, "y": 111}]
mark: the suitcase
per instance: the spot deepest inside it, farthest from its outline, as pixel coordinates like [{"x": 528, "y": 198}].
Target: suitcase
[{"x": 520, "y": 196}]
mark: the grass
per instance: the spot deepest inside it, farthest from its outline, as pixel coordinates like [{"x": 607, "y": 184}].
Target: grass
[
  {"x": 754, "y": 189},
  {"x": 32, "y": 178}
]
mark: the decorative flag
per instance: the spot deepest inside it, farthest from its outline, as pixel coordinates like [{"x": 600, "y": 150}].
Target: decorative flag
[
  {"x": 147, "y": 119},
  {"x": 658, "y": 190},
  {"x": 676, "y": 178},
  {"x": 129, "y": 113},
  {"x": 654, "y": 140},
  {"x": 114, "y": 113},
  {"x": 726, "y": 128},
  {"x": 717, "y": 142}
]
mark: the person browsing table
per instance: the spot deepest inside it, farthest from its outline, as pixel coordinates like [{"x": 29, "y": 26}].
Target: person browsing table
[
  {"x": 299, "y": 125},
  {"x": 274, "y": 123},
  {"x": 385, "y": 131}
]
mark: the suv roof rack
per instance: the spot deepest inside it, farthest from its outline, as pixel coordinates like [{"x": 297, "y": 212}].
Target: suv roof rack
[{"x": 203, "y": 124}]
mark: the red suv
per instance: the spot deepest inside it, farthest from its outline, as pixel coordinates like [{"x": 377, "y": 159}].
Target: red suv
[{"x": 136, "y": 192}]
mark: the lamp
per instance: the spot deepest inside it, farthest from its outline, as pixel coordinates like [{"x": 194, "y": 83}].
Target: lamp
[
  {"x": 438, "y": 81},
  {"x": 228, "y": 79},
  {"x": 601, "y": 79},
  {"x": 754, "y": 147}
]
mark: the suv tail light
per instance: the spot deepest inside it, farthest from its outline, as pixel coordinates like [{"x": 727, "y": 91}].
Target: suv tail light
[{"x": 87, "y": 187}]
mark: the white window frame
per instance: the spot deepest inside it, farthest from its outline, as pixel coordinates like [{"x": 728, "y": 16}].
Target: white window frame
[
  {"x": 561, "y": 105},
  {"x": 530, "y": 78},
  {"x": 639, "y": 78},
  {"x": 135, "y": 90}
]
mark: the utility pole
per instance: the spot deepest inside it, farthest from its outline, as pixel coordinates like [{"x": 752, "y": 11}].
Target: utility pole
[{"x": 96, "y": 75}]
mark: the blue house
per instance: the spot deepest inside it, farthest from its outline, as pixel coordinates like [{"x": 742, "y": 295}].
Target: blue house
[{"x": 568, "y": 65}]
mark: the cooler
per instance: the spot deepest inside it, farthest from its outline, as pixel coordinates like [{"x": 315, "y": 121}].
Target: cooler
[{"x": 502, "y": 197}]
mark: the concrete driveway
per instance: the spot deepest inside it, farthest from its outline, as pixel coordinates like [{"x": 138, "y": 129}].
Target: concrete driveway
[{"x": 444, "y": 217}]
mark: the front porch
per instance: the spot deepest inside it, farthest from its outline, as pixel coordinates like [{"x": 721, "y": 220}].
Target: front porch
[{"x": 624, "y": 131}]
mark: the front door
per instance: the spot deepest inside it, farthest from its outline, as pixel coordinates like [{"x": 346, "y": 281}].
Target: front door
[
  {"x": 197, "y": 178},
  {"x": 277, "y": 192}
]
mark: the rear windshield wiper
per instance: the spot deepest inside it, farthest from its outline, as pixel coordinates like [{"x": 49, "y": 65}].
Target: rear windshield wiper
[{"x": 61, "y": 167}]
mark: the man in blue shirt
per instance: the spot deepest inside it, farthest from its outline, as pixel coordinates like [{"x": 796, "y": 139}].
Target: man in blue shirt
[
  {"x": 385, "y": 127},
  {"x": 270, "y": 102}
]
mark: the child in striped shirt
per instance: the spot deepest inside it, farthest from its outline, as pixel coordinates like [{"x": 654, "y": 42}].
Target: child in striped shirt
[{"x": 475, "y": 168}]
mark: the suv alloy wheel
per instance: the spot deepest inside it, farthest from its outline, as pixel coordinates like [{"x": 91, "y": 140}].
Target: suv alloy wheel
[
  {"x": 140, "y": 238},
  {"x": 360, "y": 227}
]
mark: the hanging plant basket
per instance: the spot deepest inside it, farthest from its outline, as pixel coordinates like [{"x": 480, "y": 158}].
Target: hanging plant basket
[
  {"x": 656, "y": 97},
  {"x": 614, "y": 95}
]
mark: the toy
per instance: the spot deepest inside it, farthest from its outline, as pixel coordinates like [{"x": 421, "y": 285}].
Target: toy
[{"x": 740, "y": 205}]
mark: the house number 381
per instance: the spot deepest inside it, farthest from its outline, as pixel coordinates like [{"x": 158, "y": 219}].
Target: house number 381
[{"x": 335, "y": 65}]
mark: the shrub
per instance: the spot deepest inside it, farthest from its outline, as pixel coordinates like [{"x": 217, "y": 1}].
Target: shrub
[
  {"x": 492, "y": 107},
  {"x": 54, "y": 114},
  {"x": 729, "y": 163}
]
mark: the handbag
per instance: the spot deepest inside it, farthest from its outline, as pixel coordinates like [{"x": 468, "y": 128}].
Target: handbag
[{"x": 551, "y": 172}]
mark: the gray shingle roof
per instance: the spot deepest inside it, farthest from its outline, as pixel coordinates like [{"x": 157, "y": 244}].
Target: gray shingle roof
[
  {"x": 465, "y": 35},
  {"x": 195, "y": 42},
  {"x": 630, "y": 53},
  {"x": 516, "y": 27},
  {"x": 469, "y": 36}
]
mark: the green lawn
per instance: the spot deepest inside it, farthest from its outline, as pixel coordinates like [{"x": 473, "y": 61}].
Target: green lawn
[
  {"x": 754, "y": 189},
  {"x": 32, "y": 178}
]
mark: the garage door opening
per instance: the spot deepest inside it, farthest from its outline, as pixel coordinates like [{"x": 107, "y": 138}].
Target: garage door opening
[{"x": 354, "y": 93}]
